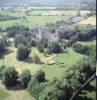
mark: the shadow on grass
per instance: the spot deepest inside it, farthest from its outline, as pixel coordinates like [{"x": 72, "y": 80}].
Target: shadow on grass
[
  {"x": 5, "y": 52},
  {"x": 83, "y": 98},
  {"x": 30, "y": 61},
  {"x": 16, "y": 87}
]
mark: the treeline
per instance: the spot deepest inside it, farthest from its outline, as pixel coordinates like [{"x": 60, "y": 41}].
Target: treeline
[
  {"x": 79, "y": 33},
  {"x": 7, "y": 17}
]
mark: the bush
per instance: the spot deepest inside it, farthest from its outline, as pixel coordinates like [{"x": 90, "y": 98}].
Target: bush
[
  {"x": 54, "y": 48},
  {"x": 40, "y": 48},
  {"x": 37, "y": 84},
  {"x": 25, "y": 77},
  {"x": 36, "y": 89},
  {"x": 81, "y": 49},
  {"x": 23, "y": 52},
  {"x": 10, "y": 76},
  {"x": 40, "y": 76},
  {"x": 36, "y": 59},
  {"x": 51, "y": 93}
]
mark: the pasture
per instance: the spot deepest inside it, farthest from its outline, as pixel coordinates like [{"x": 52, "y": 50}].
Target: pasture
[
  {"x": 57, "y": 69},
  {"x": 62, "y": 63},
  {"x": 36, "y": 17}
]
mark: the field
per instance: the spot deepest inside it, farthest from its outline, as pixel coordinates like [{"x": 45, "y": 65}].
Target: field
[
  {"x": 11, "y": 60},
  {"x": 13, "y": 94},
  {"x": 90, "y": 20},
  {"x": 51, "y": 71},
  {"x": 33, "y": 21},
  {"x": 34, "y": 18}
]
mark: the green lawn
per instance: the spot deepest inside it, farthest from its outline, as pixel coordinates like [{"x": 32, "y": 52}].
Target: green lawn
[
  {"x": 14, "y": 94},
  {"x": 51, "y": 71},
  {"x": 62, "y": 63},
  {"x": 3, "y": 94},
  {"x": 56, "y": 70},
  {"x": 36, "y": 20},
  {"x": 11, "y": 60}
]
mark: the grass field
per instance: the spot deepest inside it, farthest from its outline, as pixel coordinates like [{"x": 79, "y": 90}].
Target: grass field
[
  {"x": 56, "y": 70},
  {"x": 90, "y": 20},
  {"x": 14, "y": 94},
  {"x": 62, "y": 63},
  {"x": 3, "y": 93},
  {"x": 47, "y": 16},
  {"x": 66, "y": 58},
  {"x": 10, "y": 60},
  {"x": 32, "y": 21}
]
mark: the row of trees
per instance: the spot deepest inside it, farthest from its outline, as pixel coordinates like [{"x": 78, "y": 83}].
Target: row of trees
[
  {"x": 78, "y": 33},
  {"x": 83, "y": 49},
  {"x": 7, "y": 17},
  {"x": 3, "y": 45}
]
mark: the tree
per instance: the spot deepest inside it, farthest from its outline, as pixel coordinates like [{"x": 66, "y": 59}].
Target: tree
[
  {"x": 1, "y": 70},
  {"x": 52, "y": 93},
  {"x": 20, "y": 40},
  {"x": 36, "y": 59},
  {"x": 23, "y": 52},
  {"x": 54, "y": 48},
  {"x": 40, "y": 48},
  {"x": 25, "y": 77},
  {"x": 81, "y": 48},
  {"x": 40, "y": 76},
  {"x": 2, "y": 45},
  {"x": 10, "y": 76}
]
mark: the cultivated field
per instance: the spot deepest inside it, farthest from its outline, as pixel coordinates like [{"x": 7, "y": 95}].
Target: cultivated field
[{"x": 90, "y": 20}]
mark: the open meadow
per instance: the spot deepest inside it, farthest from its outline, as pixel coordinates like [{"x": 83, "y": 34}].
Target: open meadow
[{"x": 36, "y": 17}]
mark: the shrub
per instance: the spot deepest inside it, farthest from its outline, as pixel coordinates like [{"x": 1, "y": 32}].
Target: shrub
[
  {"x": 55, "y": 47},
  {"x": 37, "y": 89},
  {"x": 40, "y": 48},
  {"x": 10, "y": 76},
  {"x": 36, "y": 59},
  {"x": 81, "y": 49},
  {"x": 51, "y": 93},
  {"x": 40, "y": 76},
  {"x": 23, "y": 52},
  {"x": 25, "y": 77}
]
